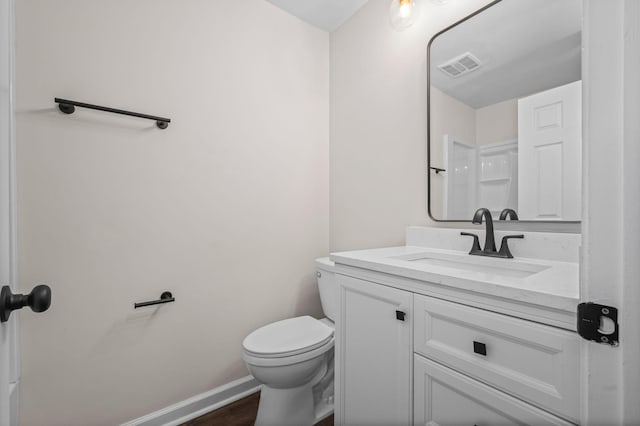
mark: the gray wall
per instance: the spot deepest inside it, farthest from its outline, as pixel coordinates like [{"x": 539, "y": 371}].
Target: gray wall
[
  {"x": 379, "y": 122},
  {"x": 227, "y": 208}
]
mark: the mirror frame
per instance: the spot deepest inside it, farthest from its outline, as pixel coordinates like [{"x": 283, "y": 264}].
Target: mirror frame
[{"x": 436, "y": 35}]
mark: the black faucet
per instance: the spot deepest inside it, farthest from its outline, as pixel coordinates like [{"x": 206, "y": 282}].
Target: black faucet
[
  {"x": 508, "y": 213},
  {"x": 489, "y": 241}
]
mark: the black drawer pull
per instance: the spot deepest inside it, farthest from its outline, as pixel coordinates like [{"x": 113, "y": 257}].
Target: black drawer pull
[
  {"x": 480, "y": 348},
  {"x": 400, "y": 315}
]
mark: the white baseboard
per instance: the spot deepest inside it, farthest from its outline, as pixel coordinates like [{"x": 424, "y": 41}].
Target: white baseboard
[{"x": 198, "y": 405}]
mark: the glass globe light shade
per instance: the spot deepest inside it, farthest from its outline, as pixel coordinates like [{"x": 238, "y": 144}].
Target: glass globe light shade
[{"x": 403, "y": 13}]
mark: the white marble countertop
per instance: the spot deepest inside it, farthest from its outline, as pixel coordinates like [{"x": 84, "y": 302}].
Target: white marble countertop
[{"x": 556, "y": 285}]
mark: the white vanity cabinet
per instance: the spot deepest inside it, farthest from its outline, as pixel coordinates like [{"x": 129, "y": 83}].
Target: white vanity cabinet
[
  {"x": 446, "y": 363},
  {"x": 444, "y": 397},
  {"x": 374, "y": 356},
  {"x": 534, "y": 362}
]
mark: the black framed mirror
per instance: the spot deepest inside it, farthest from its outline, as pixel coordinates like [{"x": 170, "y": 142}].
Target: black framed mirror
[{"x": 504, "y": 105}]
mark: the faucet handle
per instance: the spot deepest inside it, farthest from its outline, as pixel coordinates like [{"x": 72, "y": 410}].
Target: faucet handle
[
  {"x": 475, "y": 248},
  {"x": 504, "y": 247}
]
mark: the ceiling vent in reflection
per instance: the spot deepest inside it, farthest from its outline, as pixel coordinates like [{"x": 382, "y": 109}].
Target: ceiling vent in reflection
[{"x": 460, "y": 65}]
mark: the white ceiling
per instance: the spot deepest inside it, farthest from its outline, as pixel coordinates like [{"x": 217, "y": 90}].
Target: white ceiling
[
  {"x": 525, "y": 46},
  {"x": 327, "y": 15}
]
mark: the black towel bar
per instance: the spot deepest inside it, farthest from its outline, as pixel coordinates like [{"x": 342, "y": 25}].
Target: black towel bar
[{"x": 69, "y": 107}]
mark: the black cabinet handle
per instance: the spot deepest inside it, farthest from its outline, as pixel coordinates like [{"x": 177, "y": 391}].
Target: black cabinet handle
[
  {"x": 400, "y": 315},
  {"x": 165, "y": 297},
  {"x": 480, "y": 348},
  {"x": 38, "y": 300}
]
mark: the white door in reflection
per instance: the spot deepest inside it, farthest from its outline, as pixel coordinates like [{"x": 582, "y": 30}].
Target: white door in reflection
[{"x": 550, "y": 145}]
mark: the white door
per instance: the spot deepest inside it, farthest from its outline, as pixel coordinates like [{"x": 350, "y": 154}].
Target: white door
[
  {"x": 8, "y": 348},
  {"x": 550, "y": 152},
  {"x": 610, "y": 270},
  {"x": 373, "y": 354}
]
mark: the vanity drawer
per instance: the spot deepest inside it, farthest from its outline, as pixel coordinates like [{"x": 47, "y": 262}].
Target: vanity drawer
[
  {"x": 534, "y": 362},
  {"x": 443, "y": 397}
]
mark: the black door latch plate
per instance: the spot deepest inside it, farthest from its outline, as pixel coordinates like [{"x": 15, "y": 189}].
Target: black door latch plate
[{"x": 589, "y": 315}]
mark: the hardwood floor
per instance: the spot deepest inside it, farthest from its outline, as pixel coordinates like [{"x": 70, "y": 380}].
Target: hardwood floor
[{"x": 239, "y": 413}]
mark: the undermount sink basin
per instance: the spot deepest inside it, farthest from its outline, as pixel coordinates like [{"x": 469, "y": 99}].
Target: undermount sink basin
[{"x": 510, "y": 268}]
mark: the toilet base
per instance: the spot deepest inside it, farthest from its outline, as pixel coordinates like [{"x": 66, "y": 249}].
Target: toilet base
[
  {"x": 286, "y": 407},
  {"x": 297, "y": 390}
]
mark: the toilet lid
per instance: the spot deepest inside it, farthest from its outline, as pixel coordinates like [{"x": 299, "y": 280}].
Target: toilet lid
[{"x": 288, "y": 337}]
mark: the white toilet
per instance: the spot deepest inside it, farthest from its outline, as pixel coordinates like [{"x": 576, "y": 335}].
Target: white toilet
[{"x": 293, "y": 359}]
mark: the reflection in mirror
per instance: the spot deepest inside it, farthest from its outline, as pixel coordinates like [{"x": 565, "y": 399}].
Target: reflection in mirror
[{"x": 505, "y": 112}]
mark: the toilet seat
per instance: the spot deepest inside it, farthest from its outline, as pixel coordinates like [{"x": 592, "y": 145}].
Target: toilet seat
[
  {"x": 283, "y": 361},
  {"x": 287, "y": 338}
]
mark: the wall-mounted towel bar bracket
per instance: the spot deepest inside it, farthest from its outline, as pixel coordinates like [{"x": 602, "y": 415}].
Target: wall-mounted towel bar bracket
[
  {"x": 165, "y": 297},
  {"x": 69, "y": 107}
]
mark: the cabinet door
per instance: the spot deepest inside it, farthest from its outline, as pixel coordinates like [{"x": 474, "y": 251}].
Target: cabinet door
[
  {"x": 373, "y": 354},
  {"x": 534, "y": 362},
  {"x": 444, "y": 397}
]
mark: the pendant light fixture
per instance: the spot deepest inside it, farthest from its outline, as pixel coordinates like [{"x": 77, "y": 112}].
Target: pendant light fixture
[{"x": 403, "y": 13}]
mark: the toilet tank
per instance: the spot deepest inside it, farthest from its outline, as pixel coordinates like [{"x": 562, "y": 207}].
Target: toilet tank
[{"x": 327, "y": 287}]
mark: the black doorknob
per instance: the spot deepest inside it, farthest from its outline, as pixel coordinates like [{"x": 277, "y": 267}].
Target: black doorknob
[{"x": 38, "y": 300}]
